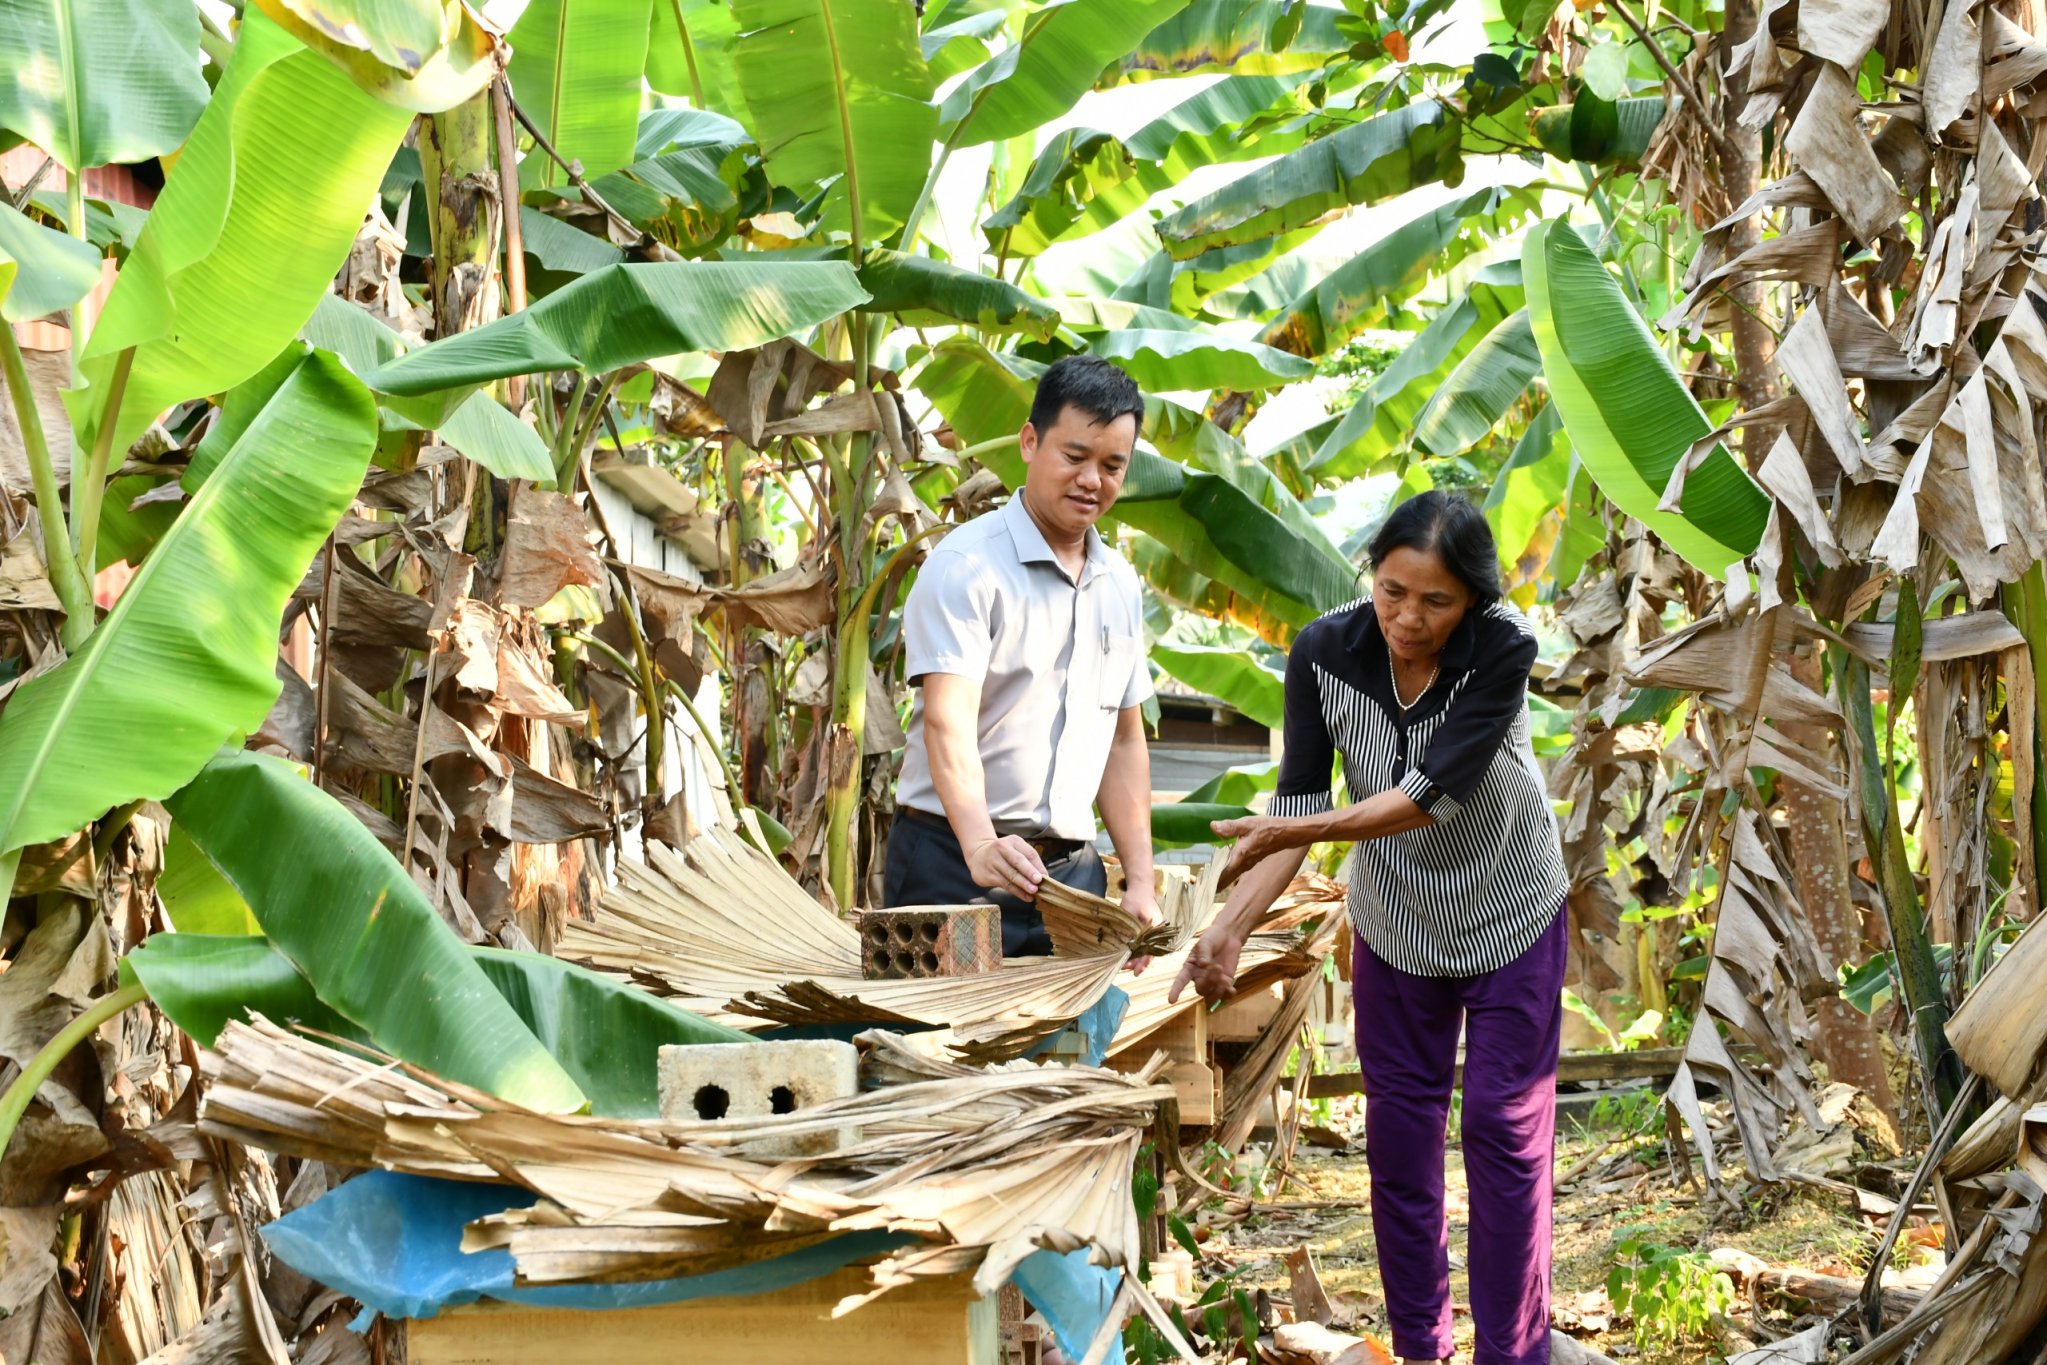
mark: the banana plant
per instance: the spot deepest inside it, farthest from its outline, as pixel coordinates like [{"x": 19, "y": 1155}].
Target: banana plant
[
  {"x": 346, "y": 944},
  {"x": 1631, "y": 419}
]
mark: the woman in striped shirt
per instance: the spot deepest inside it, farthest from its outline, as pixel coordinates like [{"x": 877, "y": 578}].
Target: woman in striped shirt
[{"x": 1456, "y": 889}]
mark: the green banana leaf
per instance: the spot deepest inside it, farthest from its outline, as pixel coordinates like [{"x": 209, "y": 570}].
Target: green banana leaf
[
  {"x": 1236, "y": 786},
  {"x": 1234, "y": 281},
  {"x": 925, "y": 292},
  {"x": 1379, "y": 423},
  {"x": 477, "y": 425},
  {"x": 1367, "y": 162},
  {"x": 1480, "y": 391},
  {"x": 689, "y": 52},
  {"x": 1230, "y": 675},
  {"x": 1176, "y": 584},
  {"x": 1630, "y": 417},
  {"x": 1599, "y": 132},
  {"x": 186, "y": 658},
  {"x": 1356, "y": 294},
  {"x": 1084, "y": 180},
  {"x": 576, "y": 67},
  {"x": 41, "y": 270},
  {"x": 196, "y": 898},
  {"x": 1064, "y": 47},
  {"x": 206, "y": 981},
  {"x": 95, "y": 82},
  {"x": 607, "y": 1035},
  {"x": 1159, "y": 359},
  {"x": 252, "y": 224},
  {"x": 1188, "y": 822},
  {"x": 951, "y": 49},
  {"x": 624, "y": 314},
  {"x": 1237, "y": 36},
  {"x": 421, "y": 55},
  {"x": 1530, "y": 485},
  {"x": 1076, "y": 169},
  {"x": 1211, "y": 525},
  {"x": 356, "y": 925},
  {"x": 1232, "y": 119},
  {"x": 109, "y": 224},
  {"x": 558, "y": 247},
  {"x": 838, "y": 94}
]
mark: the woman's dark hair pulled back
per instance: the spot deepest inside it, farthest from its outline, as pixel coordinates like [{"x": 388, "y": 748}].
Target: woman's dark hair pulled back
[{"x": 1450, "y": 528}]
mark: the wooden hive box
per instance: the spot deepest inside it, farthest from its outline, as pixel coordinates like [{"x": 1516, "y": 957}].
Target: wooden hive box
[{"x": 926, "y": 1322}]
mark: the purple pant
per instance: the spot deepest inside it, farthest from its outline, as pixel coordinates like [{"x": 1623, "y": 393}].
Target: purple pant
[{"x": 1407, "y": 1049}]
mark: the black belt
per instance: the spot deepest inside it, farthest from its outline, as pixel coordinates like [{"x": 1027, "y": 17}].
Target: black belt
[{"x": 1045, "y": 845}]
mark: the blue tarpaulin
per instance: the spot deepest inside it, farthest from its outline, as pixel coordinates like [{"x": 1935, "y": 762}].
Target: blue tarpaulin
[{"x": 394, "y": 1242}]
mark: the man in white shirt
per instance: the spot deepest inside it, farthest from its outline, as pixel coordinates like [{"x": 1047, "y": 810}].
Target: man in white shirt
[{"x": 1025, "y": 640}]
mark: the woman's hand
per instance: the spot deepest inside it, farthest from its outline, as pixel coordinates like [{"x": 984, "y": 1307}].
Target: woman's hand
[
  {"x": 1257, "y": 837},
  {"x": 1211, "y": 966}
]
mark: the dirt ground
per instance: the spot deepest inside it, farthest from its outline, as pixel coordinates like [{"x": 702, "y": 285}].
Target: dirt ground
[{"x": 1621, "y": 1186}]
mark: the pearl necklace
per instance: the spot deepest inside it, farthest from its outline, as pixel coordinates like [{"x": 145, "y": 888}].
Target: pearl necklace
[{"x": 1394, "y": 678}]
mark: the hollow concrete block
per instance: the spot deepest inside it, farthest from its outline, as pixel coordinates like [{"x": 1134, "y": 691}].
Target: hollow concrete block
[{"x": 711, "y": 1082}]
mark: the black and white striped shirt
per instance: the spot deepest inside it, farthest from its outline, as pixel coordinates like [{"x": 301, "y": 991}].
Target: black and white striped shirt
[{"x": 1471, "y": 892}]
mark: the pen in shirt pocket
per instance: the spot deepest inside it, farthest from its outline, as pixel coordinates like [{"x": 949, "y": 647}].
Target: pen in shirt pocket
[{"x": 1105, "y": 639}]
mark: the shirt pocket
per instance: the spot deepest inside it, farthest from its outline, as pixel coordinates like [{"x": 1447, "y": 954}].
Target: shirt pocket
[{"x": 1119, "y": 659}]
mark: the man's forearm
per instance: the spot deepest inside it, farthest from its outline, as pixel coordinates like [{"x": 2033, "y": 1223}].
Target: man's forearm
[
  {"x": 1125, "y": 801},
  {"x": 962, "y": 787}
]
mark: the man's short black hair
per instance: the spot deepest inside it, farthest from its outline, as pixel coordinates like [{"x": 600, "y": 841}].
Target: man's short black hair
[{"x": 1089, "y": 383}]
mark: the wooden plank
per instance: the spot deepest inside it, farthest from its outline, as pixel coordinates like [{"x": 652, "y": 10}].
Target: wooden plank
[
  {"x": 646, "y": 485},
  {"x": 926, "y": 1322},
  {"x": 1246, "y": 1015},
  {"x": 1658, "y": 1063}
]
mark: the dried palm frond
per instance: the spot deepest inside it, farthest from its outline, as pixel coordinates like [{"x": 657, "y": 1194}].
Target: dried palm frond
[
  {"x": 1082, "y": 924},
  {"x": 1296, "y": 938},
  {"x": 723, "y": 930},
  {"x": 982, "y": 1166}
]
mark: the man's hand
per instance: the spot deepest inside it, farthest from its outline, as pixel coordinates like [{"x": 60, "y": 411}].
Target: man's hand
[
  {"x": 1211, "y": 968},
  {"x": 1142, "y": 903},
  {"x": 1009, "y": 864},
  {"x": 1258, "y": 838}
]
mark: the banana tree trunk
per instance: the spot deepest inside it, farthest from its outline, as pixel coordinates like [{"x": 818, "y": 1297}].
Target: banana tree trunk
[
  {"x": 1919, "y": 985},
  {"x": 1817, "y": 833},
  {"x": 2025, "y": 602},
  {"x": 455, "y": 156}
]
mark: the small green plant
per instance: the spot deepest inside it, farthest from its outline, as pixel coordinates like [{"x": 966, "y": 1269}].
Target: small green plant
[
  {"x": 1629, "y": 1111},
  {"x": 1670, "y": 1294}
]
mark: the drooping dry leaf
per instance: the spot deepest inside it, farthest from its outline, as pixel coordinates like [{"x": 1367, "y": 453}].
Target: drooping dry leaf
[
  {"x": 1841, "y": 31},
  {"x": 836, "y": 416},
  {"x": 367, "y": 611},
  {"x": 1954, "y": 71},
  {"x": 28, "y": 1237},
  {"x": 794, "y": 601},
  {"x": 1806, "y": 355},
  {"x": 1784, "y": 474},
  {"x": 1762, "y": 963},
  {"x": 24, "y": 584},
  {"x": 549, "y": 544},
  {"x": 670, "y": 605},
  {"x": 65, "y": 865},
  {"x": 1828, "y": 143},
  {"x": 47, "y": 1332}
]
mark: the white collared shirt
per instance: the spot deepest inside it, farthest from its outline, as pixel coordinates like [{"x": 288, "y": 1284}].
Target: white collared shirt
[{"x": 1057, "y": 661}]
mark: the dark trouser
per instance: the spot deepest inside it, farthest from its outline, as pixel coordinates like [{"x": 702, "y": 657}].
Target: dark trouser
[
  {"x": 926, "y": 867},
  {"x": 1407, "y": 1049}
]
